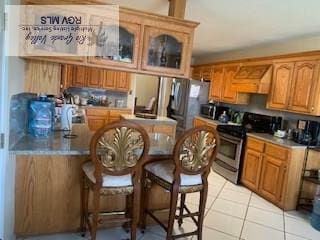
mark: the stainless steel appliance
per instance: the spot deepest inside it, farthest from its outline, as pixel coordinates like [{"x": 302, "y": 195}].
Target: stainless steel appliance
[
  {"x": 212, "y": 111},
  {"x": 186, "y": 99},
  {"x": 228, "y": 162},
  {"x": 307, "y": 133}
]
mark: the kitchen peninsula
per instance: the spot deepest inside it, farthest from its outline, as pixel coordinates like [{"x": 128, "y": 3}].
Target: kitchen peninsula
[{"x": 48, "y": 178}]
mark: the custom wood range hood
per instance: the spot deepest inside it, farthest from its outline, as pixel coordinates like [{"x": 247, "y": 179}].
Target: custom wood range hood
[{"x": 253, "y": 79}]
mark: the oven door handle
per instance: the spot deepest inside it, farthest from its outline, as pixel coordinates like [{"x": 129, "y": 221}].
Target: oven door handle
[{"x": 233, "y": 140}]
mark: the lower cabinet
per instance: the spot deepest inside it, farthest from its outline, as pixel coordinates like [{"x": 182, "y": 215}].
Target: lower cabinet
[
  {"x": 273, "y": 171},
  {"x": 252, "y": 169},
  {"x": 98, "y": 117},
  {"x": 198, "y": 122}
]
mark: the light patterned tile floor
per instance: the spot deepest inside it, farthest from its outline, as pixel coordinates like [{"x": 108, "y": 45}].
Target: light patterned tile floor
[{"x": 233, "y": 213}]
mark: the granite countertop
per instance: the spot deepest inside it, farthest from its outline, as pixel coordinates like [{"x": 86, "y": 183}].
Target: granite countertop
[
  {"x": 56, "y": 144},
  {"x": 279, "y": 141},
  {"x": 159, "y": 120}
]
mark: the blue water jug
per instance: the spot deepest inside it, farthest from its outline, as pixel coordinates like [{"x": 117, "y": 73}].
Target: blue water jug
[
  {"x": 41, "y": 117},
  {"x": 315, "y": 216}
]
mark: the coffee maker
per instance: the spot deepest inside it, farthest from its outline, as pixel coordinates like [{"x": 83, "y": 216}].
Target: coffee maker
[{"x": 307, "y": 133}]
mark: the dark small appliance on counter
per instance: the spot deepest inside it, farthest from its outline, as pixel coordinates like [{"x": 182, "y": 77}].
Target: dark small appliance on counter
[
  {"x": 307, "y": 133},
  {"x": 212, "y": 111}
]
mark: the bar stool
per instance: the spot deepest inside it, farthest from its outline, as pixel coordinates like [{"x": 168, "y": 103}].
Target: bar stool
[
  {"x": 186, "y": 171},
  {"x": 118, "y": 152}
]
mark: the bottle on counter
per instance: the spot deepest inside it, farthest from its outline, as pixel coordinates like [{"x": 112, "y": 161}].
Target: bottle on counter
[{"x": 224, "y": 117}]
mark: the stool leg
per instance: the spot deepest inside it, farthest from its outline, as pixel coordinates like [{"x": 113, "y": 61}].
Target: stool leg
[
  {"x": 129, "y": 210},
  {"x": 182, "y": 204},
  {"x": 144, "y": 204},
  {"x": 202, "y": 205},
  {"x": 95, "y": 213},
  {"x": 84, "y": 207},
  {"x": 173, "y": 208},
  {"x": 135, "y": 210}
]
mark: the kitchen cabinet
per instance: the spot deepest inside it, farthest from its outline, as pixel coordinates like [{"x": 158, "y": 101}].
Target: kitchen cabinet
[
  {"x": 129, "y": 39},
  {"x": 79, "y": 76},
  {"x": 273, "y": 171},
  {"x": 98, "y": 117},
  {"x": 303, "y": 88},
  {"x": 165, "y": 50},
  {"x": 148, "y": 43},
  {"x": 216, "y": 84},
  {"x": 280, "y": 87},
  {"x": 221, "y": 86},
  {"x": 272, "y": 178},
  {"x": 202, "y": 73},
  {"x": 199, "y": 121},
  {"x": 296, "y": 87}
]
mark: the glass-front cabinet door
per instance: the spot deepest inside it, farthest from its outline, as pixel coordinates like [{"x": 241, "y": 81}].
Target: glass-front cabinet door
[
  {"x": 165, "y": 51},
  {"x": 118, "y": 45}
]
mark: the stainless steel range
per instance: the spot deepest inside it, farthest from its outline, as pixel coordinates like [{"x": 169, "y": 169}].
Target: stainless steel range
[{"x": 228, "y": 162}]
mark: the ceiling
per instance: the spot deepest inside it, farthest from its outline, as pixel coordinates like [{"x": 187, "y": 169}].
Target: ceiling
[{"x": 234, "y": 24}]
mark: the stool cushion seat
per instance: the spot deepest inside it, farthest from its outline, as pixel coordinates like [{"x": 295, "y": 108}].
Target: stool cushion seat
[
  {"x": 164, "y": 170},
  {"x": 107, "y": 180}
]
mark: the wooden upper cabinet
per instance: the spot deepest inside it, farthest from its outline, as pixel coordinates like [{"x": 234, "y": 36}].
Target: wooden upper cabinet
[
  {"x": 206, "y": 72},
  {"x": 196, "y": 73},
  {"x": 94, "y": 77},
  {"x": 280, "y": 86},
  {"x": 109, "y": 80},
  {"x": 129, "y": 40},
  {"x": 123, "y": 81},
  {"x": 80, "y": 76},
  {"x": 272, "y": 178},
  {"x": 229, "y": 95},
  {"x": 166, "y": 51},
  {"x": 303, "y": 88},
  {"x": 67, "y": 76},
  {"x": 216, "y": 84}
]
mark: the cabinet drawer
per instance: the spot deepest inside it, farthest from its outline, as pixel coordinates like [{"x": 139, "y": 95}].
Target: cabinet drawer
[
  {"x": 97, "y": 112},
  {"x": 117, "y": 113},
  {"x": 255, "y": 144},
  {"x": 276, "y": 151}
]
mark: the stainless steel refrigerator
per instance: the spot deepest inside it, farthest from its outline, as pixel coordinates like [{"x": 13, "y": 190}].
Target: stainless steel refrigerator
[{"x": 185, "y": 101}]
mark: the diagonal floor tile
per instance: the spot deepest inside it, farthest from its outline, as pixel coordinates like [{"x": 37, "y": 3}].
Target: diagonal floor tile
[
  {"x": 211, "y": 234},
  {"x": 237, "y": 188},
  {"x": 294, "y": 237},
  {"x": 266, "y": 218},
  {"x": 234, "y": 196},
  {"x": 223, "y": 223},
  {"x": 229, "y": 208},
  {"x": 253, "y": 231},
  {"x": 259, "y": 202},
  {"x": 301, "y": 228}
]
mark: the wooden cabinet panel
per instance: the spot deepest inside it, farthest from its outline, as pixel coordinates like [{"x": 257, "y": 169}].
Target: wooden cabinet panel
[
  {"x": 255, "y": 144},
  {"x": 276, "y": 151},
  {"x": 94, "y": 123},
  {"x": 166, "y": 51},
  {"x": 80, "y": 77},
  {"x": 123, "y": 81},
  {"x": 67, "y": 76},
  {"x": 252, "y": 169},
  {"x": 206, "y": 72},
  {"x": 216, "y": 85},
  {"x": 196, "y": 73},
  {"x": 94, "y": 77},
  {"x": 165, "y": 129},
  {"x": 303, "y": 86},
  {"x": 198, "y": 123},
  {"x": 109, "y": 80},
  {"x": 280, "y": 87},
  {"x": 272, "y": 179},
  {"x": 229, "y": 95}
]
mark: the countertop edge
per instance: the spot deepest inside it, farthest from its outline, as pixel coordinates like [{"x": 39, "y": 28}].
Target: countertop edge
[{"x": 255, "y": 135}]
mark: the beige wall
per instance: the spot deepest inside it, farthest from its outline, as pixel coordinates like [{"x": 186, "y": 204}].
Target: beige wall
[
  {"x": 300, "y": 44},
  {"x": 146, "y": 87}
]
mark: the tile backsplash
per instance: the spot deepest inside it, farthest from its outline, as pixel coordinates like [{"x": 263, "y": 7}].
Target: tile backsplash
[
  {"x": 111, "y": 95},
  {"x": 19, "y": 116},
  {"x": 258, "y": 103}
]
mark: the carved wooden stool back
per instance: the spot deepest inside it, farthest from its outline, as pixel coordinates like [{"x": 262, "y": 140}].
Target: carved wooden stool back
[{"x": 118, "y": 152}]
